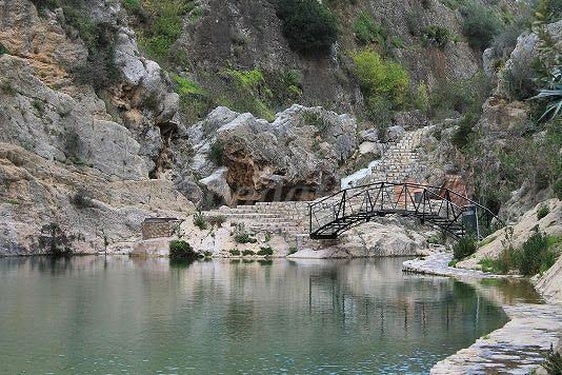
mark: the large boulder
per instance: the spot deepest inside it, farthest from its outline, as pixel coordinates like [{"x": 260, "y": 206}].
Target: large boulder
[{"x": 296, "y": 157}]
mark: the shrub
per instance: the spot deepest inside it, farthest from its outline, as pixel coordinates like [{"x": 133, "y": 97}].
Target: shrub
[
  {"x": 316, "y": 120},
  {"x": 379, "y": 110},
  {"x": 480, "y": 25},
  {"x": 308, "y": 25},
  {"x": 234, "y": 252},
  {"x": 81, "y": 200},
  {"x": 465, "y": 247},
  {"x": 552, "y": 94},
  {"x": 463, "y": 135},
  {"x": 557, "y": 189},
  {"x": 244, "y": 238},
  {"x": 367, "y": 30},
  {"x": 163, "y": 27},
  {"x": 534, "y": 256},
  {"x": 248, "y": 253},
  {"x": 267, "y": 251},
  {"x": 553, "y": 362},
  {"x": 381, "y": 78},
  {"x": 200, "y": 221},
  {"x": 292, "y": 250},
  {"x": 436, "y": 36},
  {"x": 542, "y": 211},
  {"x": 216, "y": 152},
  {"x": 421, "y": 97},
  {"x": 249, "y": 92},
  {"x": 180, "y": 249},
  {"x": 3, "y": 49},
  {"x": 548, "y": 10}
]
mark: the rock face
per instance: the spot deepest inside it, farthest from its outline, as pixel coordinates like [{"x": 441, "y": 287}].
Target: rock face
[
  {"x": 91, "y": 213},
  {"x": 74, "y": 168},
  {"x": 249, "y": 35},
  {"x": 296, "y": 157}
]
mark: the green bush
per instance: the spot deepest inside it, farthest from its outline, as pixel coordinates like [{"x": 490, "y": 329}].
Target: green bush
[
  {"x": 163, "y": 27},
  {"x": 534, "y": 256},
  {"x": 436, "y": 36},
  {"x": 557, "y": 189},
  {"x": 309, "y": 26},
  {"x": 367, "y": 30},
  {"x": 244, "y": 238},
  {"x": 542, "y": 211},
  {"x": 464, "y": 134},
  {"x": 548, "y": 10},
  {"x": 248, "y": 253},
  {"x": 200, "y": 220},
  {"x": 234, "y": 252},
  {"x": 292, "y": 250},
  {"x": 317, "y": 120},
  {"x": 480, "y": 25},
  {"x": 248, "y": 92},
  {"x": 552, "y": 95},
  {"x": 3, "y": 49},
  {"x": 216, "y": 152},
  {"x": 553, "y": 362},
  {"x": 381, "y": 78},
  {"x": 267, "y": 251},
  {"x": 180, "y": 249},
  {"x": 81, "y": 200},
  {"x": 464, "y": 247}
]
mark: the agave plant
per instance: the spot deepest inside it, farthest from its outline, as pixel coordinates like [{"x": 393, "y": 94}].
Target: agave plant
[{"x": 553, "y": 94}]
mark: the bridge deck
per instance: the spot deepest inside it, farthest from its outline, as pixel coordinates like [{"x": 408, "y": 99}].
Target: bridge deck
[{"x": 454, "y": 213}]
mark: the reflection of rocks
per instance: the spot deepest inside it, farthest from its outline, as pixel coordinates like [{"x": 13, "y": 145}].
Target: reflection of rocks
[{"x": 296, "y": 157}]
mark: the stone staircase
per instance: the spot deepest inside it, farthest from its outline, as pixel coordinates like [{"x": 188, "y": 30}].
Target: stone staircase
[
  {"x": 289, "y": 219},
  {"x": 401, "y": 162}
]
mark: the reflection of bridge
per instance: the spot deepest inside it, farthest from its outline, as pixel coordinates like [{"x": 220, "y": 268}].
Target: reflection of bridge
[{"x": 454, "y": 213}]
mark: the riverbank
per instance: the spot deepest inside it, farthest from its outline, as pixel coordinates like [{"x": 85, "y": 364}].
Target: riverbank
[{"x": 516, "y": 348}]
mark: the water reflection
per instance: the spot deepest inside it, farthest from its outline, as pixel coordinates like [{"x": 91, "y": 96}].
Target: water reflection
[{"x": 93, "y": 315}]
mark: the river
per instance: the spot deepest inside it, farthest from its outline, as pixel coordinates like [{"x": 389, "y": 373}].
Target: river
[{"x": 120, "y": 315}]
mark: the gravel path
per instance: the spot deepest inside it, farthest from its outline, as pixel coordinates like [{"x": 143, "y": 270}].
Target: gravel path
[{"x": 516, "y": 348}]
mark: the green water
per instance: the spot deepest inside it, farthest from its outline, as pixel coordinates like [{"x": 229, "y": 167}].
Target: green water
[{"x": 115, "y": 315}]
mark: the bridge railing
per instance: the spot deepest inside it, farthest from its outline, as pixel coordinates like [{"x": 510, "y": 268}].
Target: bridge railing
[{"x": 336, "y": 213}]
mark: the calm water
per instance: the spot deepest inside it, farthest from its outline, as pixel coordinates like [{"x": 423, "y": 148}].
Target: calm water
[{"x": 91, "y": 315}]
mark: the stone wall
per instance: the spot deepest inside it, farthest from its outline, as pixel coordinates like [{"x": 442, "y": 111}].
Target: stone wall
[{"x": 159, "y": 227}]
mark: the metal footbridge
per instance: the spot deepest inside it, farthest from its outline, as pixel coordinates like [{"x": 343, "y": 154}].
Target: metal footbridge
[{"x": 454, "y": 213}]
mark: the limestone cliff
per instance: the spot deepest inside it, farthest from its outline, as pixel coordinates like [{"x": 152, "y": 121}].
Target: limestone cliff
[{"x": 75, "y": 155}]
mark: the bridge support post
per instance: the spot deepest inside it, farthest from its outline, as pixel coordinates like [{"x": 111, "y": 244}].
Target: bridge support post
[{"x": 470, "y": 220}]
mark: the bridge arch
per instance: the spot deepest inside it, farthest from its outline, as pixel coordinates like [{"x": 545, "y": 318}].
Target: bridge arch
[{"x": 454, "y": 213}]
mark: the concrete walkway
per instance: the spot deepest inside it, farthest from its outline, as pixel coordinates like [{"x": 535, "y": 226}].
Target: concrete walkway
[{"x": 516, "y": 348}]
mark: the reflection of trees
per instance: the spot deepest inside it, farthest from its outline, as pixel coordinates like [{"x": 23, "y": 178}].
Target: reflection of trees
[{"x": 345, "y": 308}]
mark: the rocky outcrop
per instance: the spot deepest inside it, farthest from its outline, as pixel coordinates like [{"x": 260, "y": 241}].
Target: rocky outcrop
[
  {"x": 90, "y": 213},
  {"x": 296, "y": 157},
  {"x": 76, "y": 157},
  {"x": 383, "y": 237},
  {"x": 248, "y": 35}
]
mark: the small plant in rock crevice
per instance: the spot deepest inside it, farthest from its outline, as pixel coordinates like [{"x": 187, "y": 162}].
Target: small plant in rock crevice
[
  {"x": 542, "y": 211},
  {"x": 200, "y": 221}
]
